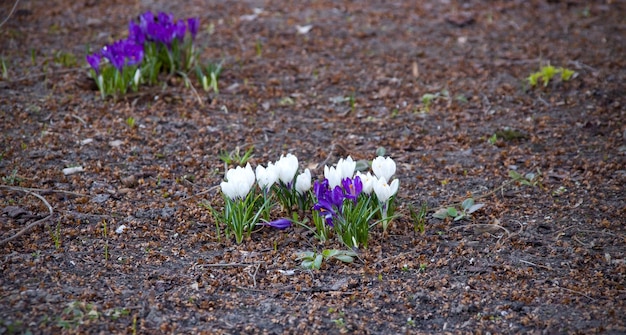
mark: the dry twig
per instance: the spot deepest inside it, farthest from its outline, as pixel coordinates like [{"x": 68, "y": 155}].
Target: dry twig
[
  {"x": 224, "y": 265},
  {"x": 537, "y": 265},
  {"x": 32, "y": 224},
  {"x": 577, "y": 292},
  {"x": 10, "y": 13},
  {"x": 43, "y": 190}
]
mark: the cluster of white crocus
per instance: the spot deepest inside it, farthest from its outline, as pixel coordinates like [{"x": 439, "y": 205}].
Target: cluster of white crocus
[
  {"x": 244, "y": 209},
  {"x": 239, "y": 180},
  {"x": 280, "y": 182},
  {"x": 384, "y": 169},
  {"x": 343, "y": 175}
]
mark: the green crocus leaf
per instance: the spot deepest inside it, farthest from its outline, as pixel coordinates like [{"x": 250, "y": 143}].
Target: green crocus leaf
[{"x": 345, "y": 258}]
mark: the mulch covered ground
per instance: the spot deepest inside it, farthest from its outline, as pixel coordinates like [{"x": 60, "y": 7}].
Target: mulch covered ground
[{"x": 542, "y": 258}]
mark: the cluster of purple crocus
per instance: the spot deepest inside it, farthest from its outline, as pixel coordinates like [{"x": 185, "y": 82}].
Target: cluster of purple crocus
[
  {"x": 330, "y": 200},
  {"x": 130, "y": 51},
  {"x": 161, "y": 29},
  {"x": 120, "y": 54}
]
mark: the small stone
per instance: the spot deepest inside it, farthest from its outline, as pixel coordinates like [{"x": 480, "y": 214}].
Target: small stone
[
  {"x": 120, "y": 229},
  {"x": 115, "y": 143},
  {"x": 100, "y": 198},
  {"x": 124, "y": 190},
  {"x": 129, "y": 181},
  {"x": 72, "y": 170}
]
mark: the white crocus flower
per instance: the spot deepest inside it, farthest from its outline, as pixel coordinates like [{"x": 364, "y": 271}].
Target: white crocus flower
[
  {"x": 137, "y": 77},
  {"x": 383, "y": 167},
  {"x": 333, "y": 175},
  {"x": 346, "y": 167},
  {"x": 266, "y": 177},
  {"x": 287, "y": 168},
  {"x": 385, "y": 191},
  {"x": 303, "y": 182},
  {"x": 367, "y": 180},
  {"x": 238, "y": 182}
]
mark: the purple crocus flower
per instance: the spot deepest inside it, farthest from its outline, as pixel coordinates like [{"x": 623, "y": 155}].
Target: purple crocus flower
[
  {"x": 336, "y": 196},
  {"x": 136, "y": 33},
  {"x": 320, "y": 188},
  {"x": 193, "y": 23},
  {"x": 132, "y": 51},
  {"x": 123, "y": 52},
  {"x": 179, "y": 30},
  {"x": 323, "y": 192},
  {"x": 352, "y": 188},
  {"x": 114, "y": 55},
  {"x": 278, "y": 224},
  {"x": 326, "y": 209},
  {"x": 94, "y": 62},
  {"x": 154, "y": 32},
  {"x": 145, "y": 19},
  {"x": 329, "y": 201},
  {"x": 165, "y": 18}
]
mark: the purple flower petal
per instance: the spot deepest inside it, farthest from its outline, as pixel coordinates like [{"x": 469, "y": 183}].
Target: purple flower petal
[
  {"x": 114, "y": 55},
  {"x": 358, "y": 185},
  {"x": 165, "y": 18},
  {"x": 352, "y": 188},
  {"x": 179, "y": 30},
  {"x": 94, "y": 62},
  {"x": 193, "y": 23},
  {"x": 146, "y": 18},
  {"x": 319, "y": 188},
  {"x": 337, "y": 197},
  {"x": 278, "y": 224},
  {"x": 136, "y": 33},
  {"x": 123, "y": 52}
]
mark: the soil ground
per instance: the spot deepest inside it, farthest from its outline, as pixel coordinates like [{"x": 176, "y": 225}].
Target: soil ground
[{"x": 548, "y": 258}]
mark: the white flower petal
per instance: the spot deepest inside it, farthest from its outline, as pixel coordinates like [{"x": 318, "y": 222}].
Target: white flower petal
[
  {"x": 266, "y": 177},
  {"x": 393, "y": 187},
  {"x": 228, "y": 190},
  {"x": 368, "y": 182},
  {"x": 303, "y": 182},
  {"x": 384, "y": 191},
  {"x": 287, "y": 168},
  {"x": 346, "y": 167},
  {"x": 333, "y": 175},
  {"x": 239, "y": 181},
  {"x": 303, "y": 29},
  {"x": 384, "y": 167}
]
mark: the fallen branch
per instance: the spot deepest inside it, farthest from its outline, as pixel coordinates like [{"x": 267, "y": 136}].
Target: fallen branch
[
  {"x": 32, "y": 224},
  {"x": 10, "y": 13},
  {"x": 537, "y": 265},
  {"x": 577, "y": 292},
  {"x": 42, "y": 190},
  {"x": 224, "y": 265}
]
